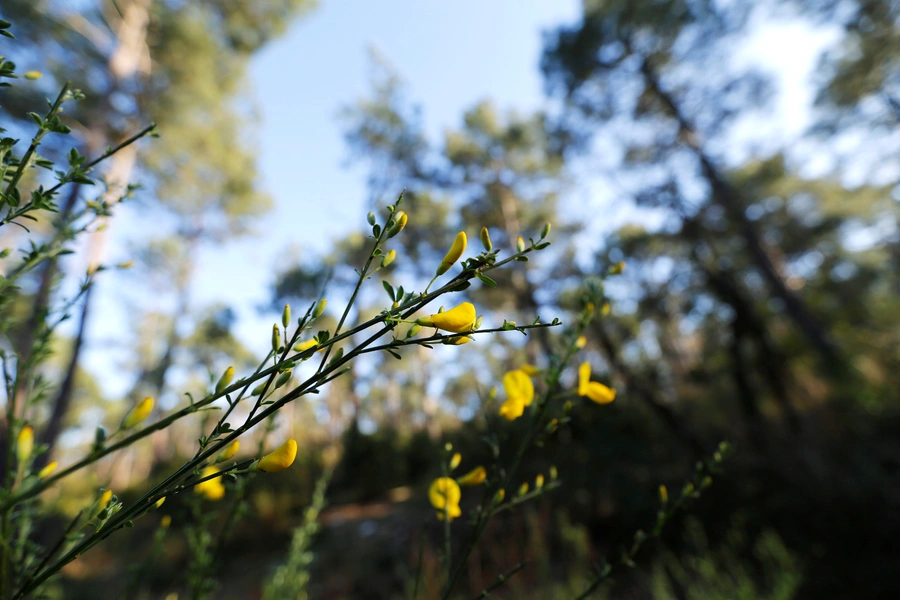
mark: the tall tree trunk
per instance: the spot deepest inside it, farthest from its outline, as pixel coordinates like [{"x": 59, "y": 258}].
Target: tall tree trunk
[
  {"x": 130, "y": 57},
  {"x": 724, "y": 194}
]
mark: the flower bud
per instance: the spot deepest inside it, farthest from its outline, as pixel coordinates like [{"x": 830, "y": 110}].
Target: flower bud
[
  {"x": 474, "y": 477},
  {"x": 581, "y": 342},
  {"x": 399, "y": 223},
  {"x": 617, "y": 268},
  {"x": 455, "y": 460},
  {"x": 158, "y": 503},
  {"x": 279, "y": 460},
  {"x": 165, "y": 521},
  {"x": 453, "y": 255},
  {"x": 320, "y": 308},
  {"x": 228, "y": 451},
  {"x": 539, "y": 482},
  {"x": 486, "y": 239},
  {"x": 258, "y": 389},
  {"x": 286, "y": 316},
  {"x": 499, "y": 496},
  {"x": 553, "y": 473},
  {"x": 32, "y": 75},
  {"x": 663, "y": 495},
  {"x": 276, "y": 338},
  {"x": 416, "y": 328},
  {"x": 523, "y": 489},
  {"x": 48, "y": 470},
  {"x": 138, "y": 413},
  {"x": 225, "y": 379},
  {"x": 388, "y": 258},
  {"x": 25, "y": 444},
  {"x": 370, "y": 218},
  {"x": 283, "y": 379},
  {"x": 545, "y": 231}
]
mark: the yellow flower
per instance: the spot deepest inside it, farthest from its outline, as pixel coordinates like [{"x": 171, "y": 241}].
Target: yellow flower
[
  {"x": 594, "y": 390},
  {"x": 400, "y": 220},
  {"x": 581, "y": 342},
  {"x": 455, "y": 460},
  {"x": 458, "y": 319},
  {"x": 48, "y": 470},
  {"x": 25, "y": 443},
  {"x": 138, "y": 413},
  {"x": 518, "y": 385},
  {"x": 225, "y": 379},
  {"x": 474, "y": 477},
  {"x": 101, "y": 504},
  {"x": 388, "y": 258},
  {"x": 211, "y": 488},
  {"x": 228, "y": 451},
  {"x": 306, "y": 345},
  {"x": 538, "y": 482},
  {"x": 512, "y": 409},
  {"x": 530, "y": 370},
  {"x": 452, "y": 512},
  {"x": 444, "y": 495},
  {"x": 279, "y": 460},
  {"x": 456, "y": 250}
]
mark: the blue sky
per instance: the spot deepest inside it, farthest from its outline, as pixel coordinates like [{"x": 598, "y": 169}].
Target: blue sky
[
  {"x": 451, "y": 56},
  {"x": 450, "y": 59}
]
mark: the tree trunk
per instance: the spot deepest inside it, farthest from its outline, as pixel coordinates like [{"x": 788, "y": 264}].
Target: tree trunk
[{"x": 729, "y": 199}]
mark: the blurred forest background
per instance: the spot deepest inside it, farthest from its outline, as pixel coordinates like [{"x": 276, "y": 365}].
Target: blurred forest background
[{"x": 760, "y": 301}]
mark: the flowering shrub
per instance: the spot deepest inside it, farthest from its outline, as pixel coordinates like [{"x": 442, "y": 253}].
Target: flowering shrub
[{"x": 245, "y": 401}]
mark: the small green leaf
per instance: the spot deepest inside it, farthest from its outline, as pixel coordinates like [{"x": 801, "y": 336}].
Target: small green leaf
[{"x": 486, "y": 280}]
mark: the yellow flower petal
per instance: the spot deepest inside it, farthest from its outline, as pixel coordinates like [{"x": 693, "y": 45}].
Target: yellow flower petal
[
  {"x": 228, "y": 451},
  {"x": 474, "y": 477},
  {"x": 25, "y": 443},
  {"x": 453, "y": 255},
  {"x": 518, "y": 385},
  {"x": 444, "y": 491},
  {"x": 48, "y": 470},
  {"x": 306, "y": 345},
  {"x": 452, "y": 511},
  {"x": 530, "y": 370},
  {"x": 212, "y": 488},
  {"x": 138, "y": 413},
  {"x": 280, "y": 459},
  {"x": 584, "y": 377},
  {"x": 225, "y": 379},
  {"x": 458, "y": 319},
  {"x": 512, "y": 409},
  {"x": 599, "y": 393},
  {"x": 455, "y": 460}
]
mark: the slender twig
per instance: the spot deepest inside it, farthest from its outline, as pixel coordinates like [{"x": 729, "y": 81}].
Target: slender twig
[{"x": 501, "y": 580}]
